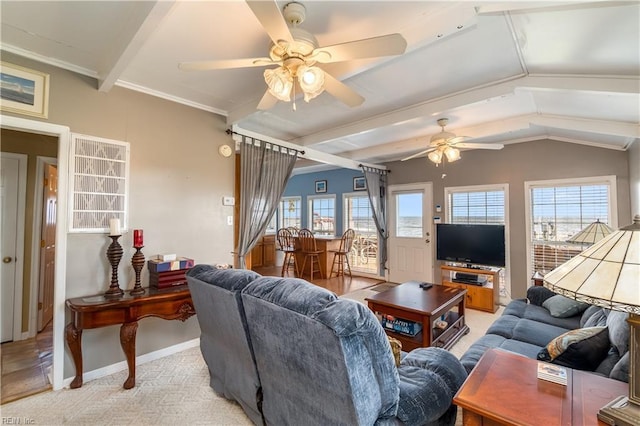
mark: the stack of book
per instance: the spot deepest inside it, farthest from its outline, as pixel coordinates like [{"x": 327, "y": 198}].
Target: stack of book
[
  {"x": 168, "y": 273},
  {"x": 552, "y": 373},
  {"x": 398, "y": 325}
]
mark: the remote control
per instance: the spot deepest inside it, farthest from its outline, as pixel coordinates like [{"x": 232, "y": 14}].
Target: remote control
[{"x": 426, "y": 286}]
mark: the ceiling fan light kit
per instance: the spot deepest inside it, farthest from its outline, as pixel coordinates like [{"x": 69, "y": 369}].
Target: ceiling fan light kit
[
  {"x": 296, "y": 52},
  {"x": 445, "y": 145}
]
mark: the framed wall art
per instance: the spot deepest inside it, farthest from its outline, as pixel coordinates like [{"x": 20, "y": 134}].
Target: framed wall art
[
  {"x": 24, "y": 91},
  {"x": 321, "y": 186},
  {"x": 359, "y": 183}
]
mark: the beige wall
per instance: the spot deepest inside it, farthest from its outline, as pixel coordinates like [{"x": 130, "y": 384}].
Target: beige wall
[
  {"x": 514, "y": 165},
  {"x": 634, "y": 177},
  {"x": 177, "y": 181},
  {"x": 33, "y": 146}
]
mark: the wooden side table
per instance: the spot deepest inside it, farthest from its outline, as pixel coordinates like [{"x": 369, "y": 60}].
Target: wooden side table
[
  {"x": 503, "y": 389},
  {"x": 100, "y": 311}
]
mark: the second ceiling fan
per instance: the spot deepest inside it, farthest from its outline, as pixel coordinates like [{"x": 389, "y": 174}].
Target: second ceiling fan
[
  {"x": 445, "y": 145},
  {"x": 296, "y": 52}
]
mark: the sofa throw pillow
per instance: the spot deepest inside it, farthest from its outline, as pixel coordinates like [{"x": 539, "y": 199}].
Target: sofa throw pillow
[
  {"x": 396, "y": 348},
  {"x": 560, "y": 306},
  {"x": 581, "y": 349}
]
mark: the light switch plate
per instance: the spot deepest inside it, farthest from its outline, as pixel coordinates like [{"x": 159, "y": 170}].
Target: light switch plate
[{"x": 228, "y": 201}]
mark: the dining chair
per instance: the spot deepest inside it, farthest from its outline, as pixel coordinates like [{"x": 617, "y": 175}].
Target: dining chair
[
  {"x": 341, "y": 256},
  {"x": 310, "y": 252},
  {"x": 287, "y": 245}
]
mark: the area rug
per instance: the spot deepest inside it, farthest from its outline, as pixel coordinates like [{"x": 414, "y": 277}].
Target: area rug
[{"x": 383, "y": 287}]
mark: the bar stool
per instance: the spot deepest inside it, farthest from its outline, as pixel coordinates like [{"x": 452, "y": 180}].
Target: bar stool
[
  {"x": 309, "y": 251},
  {"x": 341, "y": 256},
  {"x": 287, "y": 245}
]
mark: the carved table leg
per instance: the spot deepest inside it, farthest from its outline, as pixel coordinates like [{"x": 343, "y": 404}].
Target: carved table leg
[
  {"x": 74, "y": 340},
  {"x": 128, "y": 342}
]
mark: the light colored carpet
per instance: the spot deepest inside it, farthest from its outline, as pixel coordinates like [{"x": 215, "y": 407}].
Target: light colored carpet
[{"x": 171, "y": 390}]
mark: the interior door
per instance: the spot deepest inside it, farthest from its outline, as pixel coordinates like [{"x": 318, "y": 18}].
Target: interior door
[
  {"x": 410, "y": 238},
  {"x": 9, "y": 199},
  {"x": 48, "y": 247}
]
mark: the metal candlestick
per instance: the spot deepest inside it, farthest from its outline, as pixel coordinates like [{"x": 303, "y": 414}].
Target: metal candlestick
[
  {"x": 114, "y": 254},
  {"x": 137, "y": 261}
]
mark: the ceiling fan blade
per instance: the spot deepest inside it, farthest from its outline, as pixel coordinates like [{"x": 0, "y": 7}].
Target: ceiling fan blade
[
  {"x": 419, "y": 154},
  {"x": 267, "y": 101},
  {"x": 480, "y": 145},
  {"x": 225, "y": 64},
  {"x": 341, "y": 91},
  {"x": 270, "y": 17},
  {"x": 387, "y": 45},
  {"x": 456, "y": 140}
]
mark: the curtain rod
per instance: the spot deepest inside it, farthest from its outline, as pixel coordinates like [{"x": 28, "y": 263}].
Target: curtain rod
[
  {"x": 375, "y": 169},
  {"x": 231, "y": 132}
]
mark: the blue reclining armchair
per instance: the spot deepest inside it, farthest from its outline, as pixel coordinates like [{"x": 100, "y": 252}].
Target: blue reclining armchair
[{"x": 321, "y": 360}]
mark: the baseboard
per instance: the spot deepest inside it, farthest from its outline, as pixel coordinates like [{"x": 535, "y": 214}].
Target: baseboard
[{"x": 142, "y": 359}]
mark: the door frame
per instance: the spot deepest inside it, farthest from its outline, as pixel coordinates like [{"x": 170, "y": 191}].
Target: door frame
[
  {"x": 19, "y": 262},
  {"x": 41, "y": 162},
  {"x": 63, "y": 133},
  {"x": 427, "y": 221}
]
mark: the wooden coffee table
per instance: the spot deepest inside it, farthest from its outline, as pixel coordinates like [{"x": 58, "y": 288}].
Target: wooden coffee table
[
  {"x": 410, "y": 302},
  {"x": 504, "y": 389}
]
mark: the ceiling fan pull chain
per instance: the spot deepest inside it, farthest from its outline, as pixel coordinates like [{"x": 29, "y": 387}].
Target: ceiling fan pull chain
[{"x": 294, "y": 96}]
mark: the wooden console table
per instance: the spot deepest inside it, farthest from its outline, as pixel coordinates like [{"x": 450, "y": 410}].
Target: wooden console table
[
  {"x": 504, "y": 389},
  {"x": 100, "y": 311}
]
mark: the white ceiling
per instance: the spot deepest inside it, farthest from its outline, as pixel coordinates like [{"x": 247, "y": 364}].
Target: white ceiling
[{"x": 503, "y": 72}]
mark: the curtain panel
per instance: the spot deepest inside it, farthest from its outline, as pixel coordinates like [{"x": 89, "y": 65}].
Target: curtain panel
[
  {"x": 265, "y": 170},
  {"x": 377, "y": 192}
]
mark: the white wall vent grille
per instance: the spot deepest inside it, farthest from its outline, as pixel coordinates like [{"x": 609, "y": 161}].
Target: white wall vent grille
[{"x": 99, "y": 183}]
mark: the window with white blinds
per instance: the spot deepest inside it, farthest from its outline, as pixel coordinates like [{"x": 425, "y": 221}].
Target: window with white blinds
[
  {"x": 99, "y": 183},
  {"x": 560, "y": 209},
  {"x": 476, "y": 207}
]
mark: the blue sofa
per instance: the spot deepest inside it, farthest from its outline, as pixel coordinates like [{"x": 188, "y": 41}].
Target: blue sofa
[
  {"x": 290, "y": 352},
  {"x": 527, "y": 326}
]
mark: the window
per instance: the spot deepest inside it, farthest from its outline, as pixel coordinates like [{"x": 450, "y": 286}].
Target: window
[
  {"x": 359, "y": 217},
  {"x": 486, "y": 204},
  {"x": 409, "y": 214},
  {"x": 476, "y": 207},
  {"x": 557, "y": 210},
  {"x": 291, "y": 212},
  {"x": 322, "y": 215}
]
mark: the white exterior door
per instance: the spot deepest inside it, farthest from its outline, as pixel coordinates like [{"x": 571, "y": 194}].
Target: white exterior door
[
  {"x": 411, "y": 229},
  {"x": 12, "y": 199}
]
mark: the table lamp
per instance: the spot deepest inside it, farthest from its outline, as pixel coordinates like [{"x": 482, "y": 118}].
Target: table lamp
[
  {"x": 593, "y": 233},
  {"x": 607, "y": 274}
]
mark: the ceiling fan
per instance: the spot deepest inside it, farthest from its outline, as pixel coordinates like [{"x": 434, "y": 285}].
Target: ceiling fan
[
  {"x": 296, "y": 52},
  {"x": 445, "y": 145}
]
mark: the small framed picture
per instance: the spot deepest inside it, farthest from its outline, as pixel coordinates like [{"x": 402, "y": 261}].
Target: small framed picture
[
  {"x": 321, "y": 186},
  {"x": 359, "y": 183},
  {"x": 24, "y": 91}
]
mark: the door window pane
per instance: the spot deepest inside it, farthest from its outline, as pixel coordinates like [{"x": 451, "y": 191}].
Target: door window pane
[
  {"x": 409, "y": 215},
  {"x": 359, "y": 217}
]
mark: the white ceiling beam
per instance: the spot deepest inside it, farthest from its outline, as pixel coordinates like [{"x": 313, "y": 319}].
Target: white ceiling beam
[
  {"x": 130, "y": 42},
  {"x": 309, "y": 153},
  {"x": 603, "y": 127},
  {"x": 517, "y": 6},
  {"x": 435, "y": 106},
  {"x": 430, "y": 108},
  {"x": 630, "y": 84}
]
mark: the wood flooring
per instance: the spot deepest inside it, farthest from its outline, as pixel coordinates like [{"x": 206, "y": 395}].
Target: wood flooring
[{"x": 26, "y": 365}]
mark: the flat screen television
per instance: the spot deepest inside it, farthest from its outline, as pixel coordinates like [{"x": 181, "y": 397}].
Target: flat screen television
[{"x": 471, "y": 244}]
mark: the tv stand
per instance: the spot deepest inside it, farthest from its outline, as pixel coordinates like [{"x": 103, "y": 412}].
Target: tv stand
[{"x": 482, "y": 294}]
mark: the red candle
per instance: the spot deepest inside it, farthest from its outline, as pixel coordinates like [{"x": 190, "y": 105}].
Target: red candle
[{"x": 137, "y": 238}]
